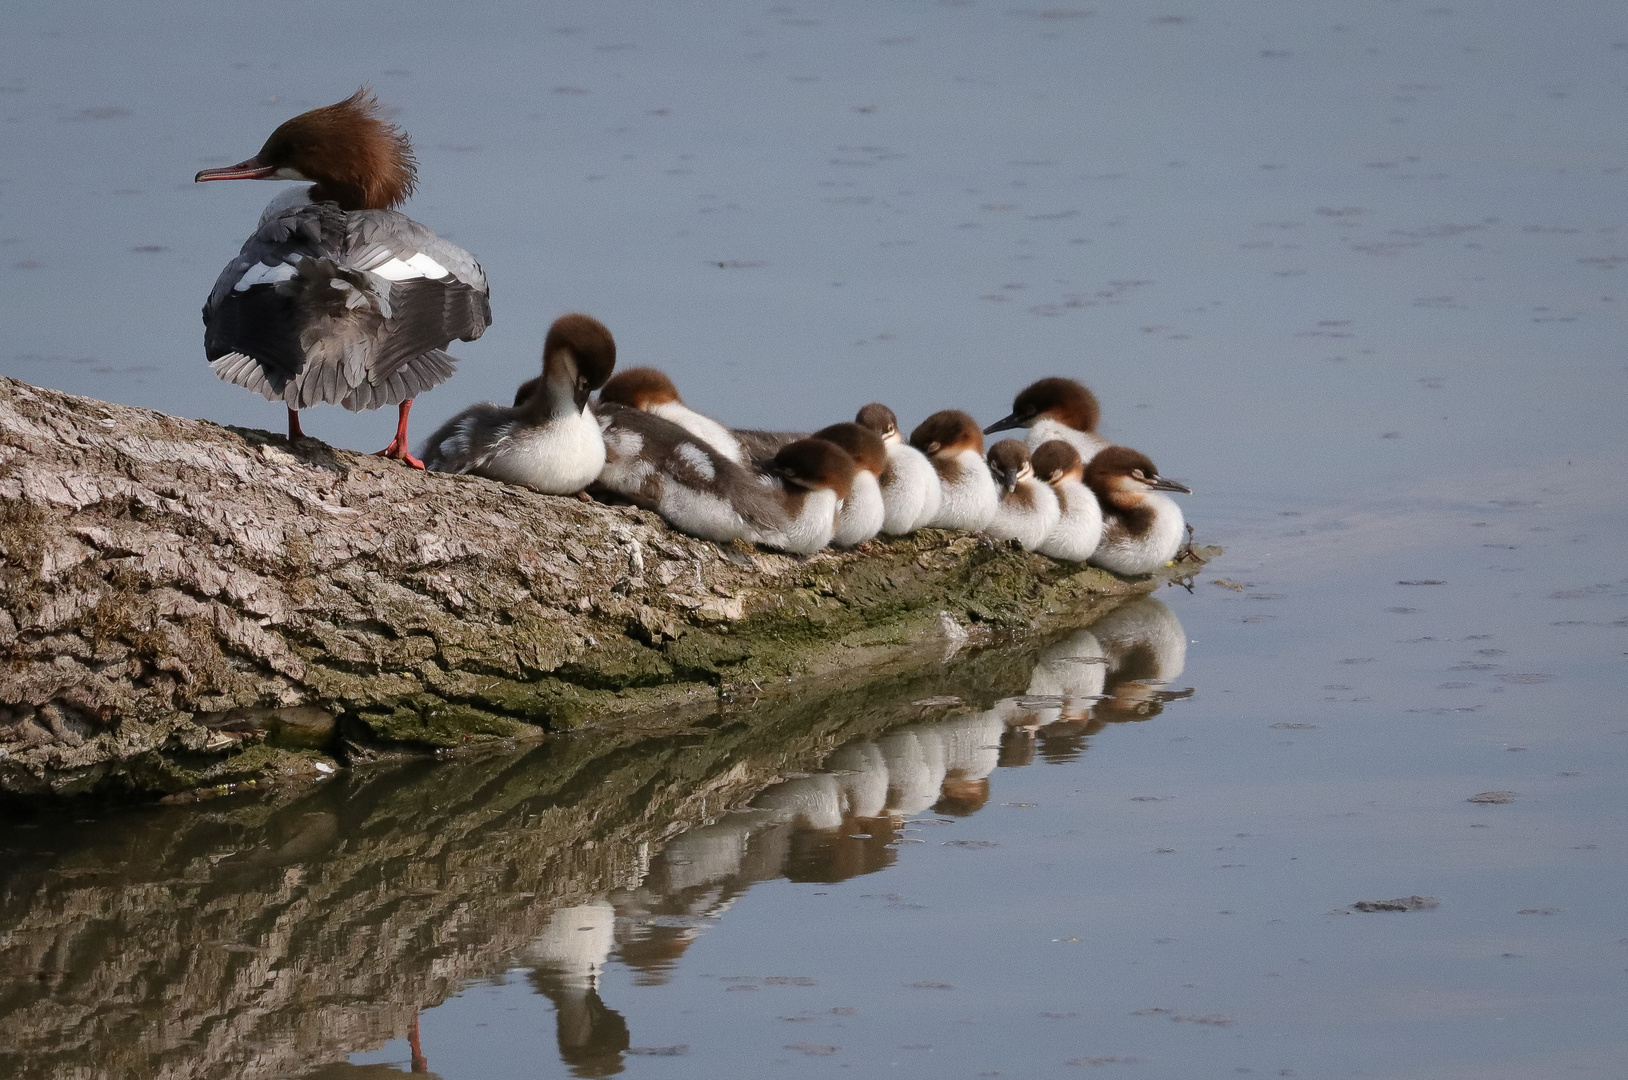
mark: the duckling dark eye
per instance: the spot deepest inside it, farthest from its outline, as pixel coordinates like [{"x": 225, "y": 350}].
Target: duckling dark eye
[{"x": 1137, "y": 474}]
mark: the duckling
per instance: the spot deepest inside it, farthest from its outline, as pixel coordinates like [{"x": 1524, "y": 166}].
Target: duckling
[
  {"x": 817, "y": 478},
  {"x": 551, "y": 442},
  {"x": 654, "y": 463},
  {"x": 1027, "y": 510},
  {"x": 1079, "y": 526},
  {"x": 651, "y": 390},
  {"x": 910, "y": 488},
  {"x": 952, "y": 442},
  {"x": 1141, "y": 529},
  {"x": 1056, "y": 408},
  {"x": 862, "y": 512}
]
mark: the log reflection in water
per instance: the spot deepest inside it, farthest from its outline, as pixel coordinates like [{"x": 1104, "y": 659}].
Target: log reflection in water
[{"x": 258, "y": 937}]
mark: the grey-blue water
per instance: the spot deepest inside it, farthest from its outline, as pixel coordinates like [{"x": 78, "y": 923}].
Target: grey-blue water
[{"x": 1353, "y": 270}]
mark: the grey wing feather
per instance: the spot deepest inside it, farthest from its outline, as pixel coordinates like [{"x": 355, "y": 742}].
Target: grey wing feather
[{"x": 335, "y": 332}]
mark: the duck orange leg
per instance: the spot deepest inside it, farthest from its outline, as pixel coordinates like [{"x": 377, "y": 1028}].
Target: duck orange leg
[
  {"x": 294, "y": 431},
  {"x": 398, "y": 446},
  {"x": 420, "y": 1063}
]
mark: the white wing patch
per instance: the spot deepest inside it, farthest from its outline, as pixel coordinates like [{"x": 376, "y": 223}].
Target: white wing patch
[
  {"x": 419, "y": 266},
  {"x": 696, "y": 458},
  {"x": 261, "y": 274}
]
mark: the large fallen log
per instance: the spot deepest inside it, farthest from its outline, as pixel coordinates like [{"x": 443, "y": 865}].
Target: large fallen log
[{"x": 184, "y": 604}]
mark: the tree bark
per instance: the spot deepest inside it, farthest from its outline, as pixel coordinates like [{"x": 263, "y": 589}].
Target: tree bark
[{"x": 184, "y": 604}]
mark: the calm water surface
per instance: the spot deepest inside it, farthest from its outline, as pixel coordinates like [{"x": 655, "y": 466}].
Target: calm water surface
[{"x": 1353, "y": 270}]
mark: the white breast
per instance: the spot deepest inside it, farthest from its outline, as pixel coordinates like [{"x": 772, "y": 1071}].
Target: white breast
[
  {"x": 861, "y": 779},
  {"x": 912, "y": 495},
  {"x": 969, "y": 499},
  {"x": 915, "y": 769},
  {"x": 1079, "y": 527},
  {"x": 1074, "y": 670},
  {"x": 1047, "y": 429},
  {"x": 862, "y": 512},
  {"x": 560, "y": 457},
  {"x": 701, "y": 513},
  {"x": 1124, "y": 553},
  {"x": 704, "y": 428},
  {"x": 1029, "y": 524},
  {"x": 811, "y": 529}
]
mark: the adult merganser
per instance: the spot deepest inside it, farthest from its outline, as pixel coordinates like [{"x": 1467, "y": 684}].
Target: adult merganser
[
  {"x": 651, "y": 390},
  {"x": 910, "y": 489},
  {"x": 1079, "y": 527},
  {"x": 654, "y": 463},
  {"x": 952, "y": 442},
  {"x": 337, "y": 297},
  {"x": 550, "y": 442},
  {"x": 1027, "y": 508},
  {"x": 1056, "y": 408},
  {"x": 862, "y": 511},
  {"x": 1141, "y": 529}
]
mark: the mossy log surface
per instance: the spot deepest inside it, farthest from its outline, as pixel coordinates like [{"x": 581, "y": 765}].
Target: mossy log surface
[{"x": 186, "y": 605}]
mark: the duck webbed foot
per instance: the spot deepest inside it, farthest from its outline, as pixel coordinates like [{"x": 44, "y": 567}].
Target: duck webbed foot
[{"x": 398, "y": 446}]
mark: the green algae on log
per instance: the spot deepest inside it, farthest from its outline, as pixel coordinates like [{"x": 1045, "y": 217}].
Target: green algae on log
[{"x": 185, "y": 605}]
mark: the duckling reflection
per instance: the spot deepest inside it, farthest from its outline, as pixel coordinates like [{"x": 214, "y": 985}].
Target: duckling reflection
[
  {"x": 1146, "y": 649},
  {"x": 567, "y": 959},
  {"x": 849, "y": 819}
]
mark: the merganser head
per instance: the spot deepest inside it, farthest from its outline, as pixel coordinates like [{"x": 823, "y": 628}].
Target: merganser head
[
  {"x": 1056, "y": 461},
  {"x": 863, "y": 445},
  {"x": 1063, "y": 400},
  {"x": 1122, "y": 477},
  {"x": 640, "y": 388},
  {"x": 815, "y": 465},
  {"x": 880, "y": 419},
  {"x": 947, "y": 432},
  {"x": 355, "y": 157},
  {"x": 578, "y": 357},
  {"x": 1009, "y": 462}
]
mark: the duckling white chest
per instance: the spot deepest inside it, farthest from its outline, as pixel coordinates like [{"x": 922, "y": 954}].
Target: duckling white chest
[
  {"x": 910, "y": 491},
  {"x": 968, "y": 492},
  {"x": 560, "y": 457},
  {"x": 862, "y": 512},
  {"x": 1126, "y": 552},
  {"x": 1079, "y": 528}
]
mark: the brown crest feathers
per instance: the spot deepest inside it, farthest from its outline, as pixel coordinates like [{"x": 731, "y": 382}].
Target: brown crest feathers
[
  {"x": 591, "y": 346},
  {"x": 878, "y": 417},
  {"x": 814, "y": 464},
  {"x": 357, "y": 158},
  {"x": 1063, "y": 400},
  {"x": 951, "y": 430},
  {"x": 640, "y": 388},
  {"x": 863, "y": 445},
  {"x": 1056, "y": 460}
]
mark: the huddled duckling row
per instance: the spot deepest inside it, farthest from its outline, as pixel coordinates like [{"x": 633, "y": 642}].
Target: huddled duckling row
[{"x": 1065, "y": 492}]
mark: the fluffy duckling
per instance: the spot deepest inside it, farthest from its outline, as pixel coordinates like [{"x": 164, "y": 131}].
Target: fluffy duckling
[
  {"x": 1027, "y": 510},
  {"x": 651, "y": 390},
  {"x": 862, "y": 511},
  {"x": 654, "y": 463},
  {"x": 1079, "y": 525},
  {"x": 910, "y": 488},
  {"x": 1141, "y": 529},
  {"x": 550, "y": 442},
  {"x": 1056, "y": 408},
  {"x": 817, "y": 477},
  {"x": 952, "y": 442}
]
